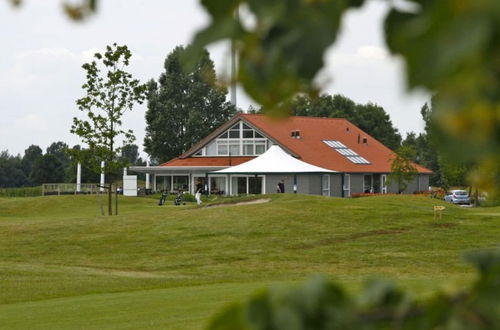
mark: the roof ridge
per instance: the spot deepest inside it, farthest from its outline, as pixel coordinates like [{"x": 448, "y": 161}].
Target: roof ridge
[{"x": 308, "y": 117}]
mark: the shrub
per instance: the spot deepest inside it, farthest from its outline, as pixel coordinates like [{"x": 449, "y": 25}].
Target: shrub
[{"x": 21, "y": 192}]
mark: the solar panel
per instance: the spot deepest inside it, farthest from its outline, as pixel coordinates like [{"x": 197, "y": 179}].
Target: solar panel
[
  {"x": 346, "y": 152},
  {"x": 358, "y": 160}
]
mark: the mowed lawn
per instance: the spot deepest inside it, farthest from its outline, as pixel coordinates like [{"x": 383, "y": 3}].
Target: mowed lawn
[{"x": 64, "y": 266}]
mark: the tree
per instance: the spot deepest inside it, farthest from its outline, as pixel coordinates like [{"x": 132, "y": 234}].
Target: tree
[
  {"x": 402, "y": 168},
  {"x": 31, "y": 155},
  {"x": 130, "y": 155},
  {"x": 84, "y": 156},
  {"x": 48, "y": 169},
  {"x": 11, "y": 172},
  {"x": 108, "y": 95},
  {"x": 183, "y": 106}
]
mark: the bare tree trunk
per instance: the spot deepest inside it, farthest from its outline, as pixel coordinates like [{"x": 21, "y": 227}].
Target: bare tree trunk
[
  {"x": 110, "y": 204},
  {"x": 116, "y": 200},
  {"x": 99, "y": 201}
]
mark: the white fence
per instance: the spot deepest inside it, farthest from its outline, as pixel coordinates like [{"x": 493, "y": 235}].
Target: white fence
[{"x": 69, "y": 188}]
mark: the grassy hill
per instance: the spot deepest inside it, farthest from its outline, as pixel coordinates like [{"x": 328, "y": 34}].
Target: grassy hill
[{"x": 62, "y": 265}]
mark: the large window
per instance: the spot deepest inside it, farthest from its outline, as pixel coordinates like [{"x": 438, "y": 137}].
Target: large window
[
  {"x": 218, "y": 185},
  {"x": 347, "y": 185},
  {"x": 180, "y": 183},
  {"x": 325, "y": 184},
  {"x": 239, "y": 140},
  {"x": 247, "y": 184}
]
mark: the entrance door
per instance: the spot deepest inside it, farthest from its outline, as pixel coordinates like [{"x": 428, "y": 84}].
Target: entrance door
[
  {"x": 254, "y": 185},
  {"x": 242, "y": 185},
  {"x": 376, "y": 184},
  {"x": 368, "y": 183}
]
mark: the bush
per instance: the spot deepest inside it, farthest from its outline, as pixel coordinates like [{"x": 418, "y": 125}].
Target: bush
[
  {"x": 21, "y": 192},
  {"x": 357, "y": 195}
]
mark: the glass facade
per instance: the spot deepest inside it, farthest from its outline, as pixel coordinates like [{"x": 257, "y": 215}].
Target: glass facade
[
  {"x": 218, "y": 185},
  {"x": 239, "y": 140}
]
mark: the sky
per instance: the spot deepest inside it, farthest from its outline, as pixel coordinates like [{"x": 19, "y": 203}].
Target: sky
[{"x": 42, "y": 53}]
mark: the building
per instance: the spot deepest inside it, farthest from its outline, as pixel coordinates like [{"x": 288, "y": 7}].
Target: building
[{"x": 360, "y": 163}]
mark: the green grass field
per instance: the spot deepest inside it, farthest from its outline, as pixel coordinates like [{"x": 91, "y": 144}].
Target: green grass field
[{"x": 63, "y": 266}]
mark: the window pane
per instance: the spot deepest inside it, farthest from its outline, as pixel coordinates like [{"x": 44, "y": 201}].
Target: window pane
[
  {"x": 222, "y": 148},
  {"x": 257, "y": 135},
  {"x": 180, "y": 183},
  {"x": 248, "y": 134},
  {"x": 218, "y": 185},
  {"x": 248, "y": 149},
  {"x": 234, "y": 148},
  {"x": 234, "y": 134},
  {"x": 260, "y": 148},
  {"x": 255, "y": 185},
  {"x": 223, "y": 136}
]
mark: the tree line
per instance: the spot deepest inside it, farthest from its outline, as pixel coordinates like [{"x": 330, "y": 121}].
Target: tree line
[{"x": 57, "y": 165}]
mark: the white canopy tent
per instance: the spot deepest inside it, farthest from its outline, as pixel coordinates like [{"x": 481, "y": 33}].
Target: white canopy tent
[{"x": 274, "y": 160}]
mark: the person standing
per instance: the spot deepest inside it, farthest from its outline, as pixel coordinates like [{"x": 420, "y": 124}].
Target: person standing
[
  {"x": 280, "y": 189},
  {"x": 199, "y": 189}
]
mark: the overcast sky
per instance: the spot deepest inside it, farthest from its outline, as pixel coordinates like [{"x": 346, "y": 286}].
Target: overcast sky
[{"x": 42, "y": 53}]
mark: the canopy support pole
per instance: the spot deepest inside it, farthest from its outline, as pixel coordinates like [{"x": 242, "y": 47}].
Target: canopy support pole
[
  {"x": 206, "y": 184},
  {"x": 255, "y": 185}
]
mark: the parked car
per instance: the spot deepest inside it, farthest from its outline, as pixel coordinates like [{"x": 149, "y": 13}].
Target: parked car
[{"x": 457, "y": 197}]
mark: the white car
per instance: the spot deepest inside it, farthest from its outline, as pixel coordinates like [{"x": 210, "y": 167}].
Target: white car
[{"x": 457, "y": 197}]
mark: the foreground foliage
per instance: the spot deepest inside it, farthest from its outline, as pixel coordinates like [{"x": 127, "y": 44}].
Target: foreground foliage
[{"x": 320, "y": 304}]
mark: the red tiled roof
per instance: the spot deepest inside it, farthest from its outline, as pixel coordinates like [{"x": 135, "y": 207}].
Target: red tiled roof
[
  {"x": 310, "y": 147},
  {"x": 207, "y": 161}
]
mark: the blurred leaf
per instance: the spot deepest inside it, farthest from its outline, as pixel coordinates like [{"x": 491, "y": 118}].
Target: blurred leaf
[
  {"x": 320, "y": 304},
  {"x": 272, "y": 67},
  {"x": 230, "y": 318},
  {"x": 453, "y": 49}
]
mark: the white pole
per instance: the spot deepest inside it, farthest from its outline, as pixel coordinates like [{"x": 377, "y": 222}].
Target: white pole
[
  {"x": 78, "y": 177},
  {"x": 102, "y": 177},
  {"x": 233, "y": 66},
  {"x": 147, "y": 175},
  {"x": 124, "y": 171}
]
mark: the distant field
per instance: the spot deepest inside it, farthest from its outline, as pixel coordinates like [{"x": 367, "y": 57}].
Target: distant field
[{"x": 64, "y": 266}]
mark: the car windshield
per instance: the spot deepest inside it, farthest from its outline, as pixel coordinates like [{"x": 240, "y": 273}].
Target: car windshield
[{"x": 461, "y": 193}]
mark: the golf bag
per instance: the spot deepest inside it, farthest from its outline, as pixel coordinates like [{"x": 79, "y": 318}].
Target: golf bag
[
  {"x": 179, "y": 198},
  {"x": 163, "y": 198}
]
